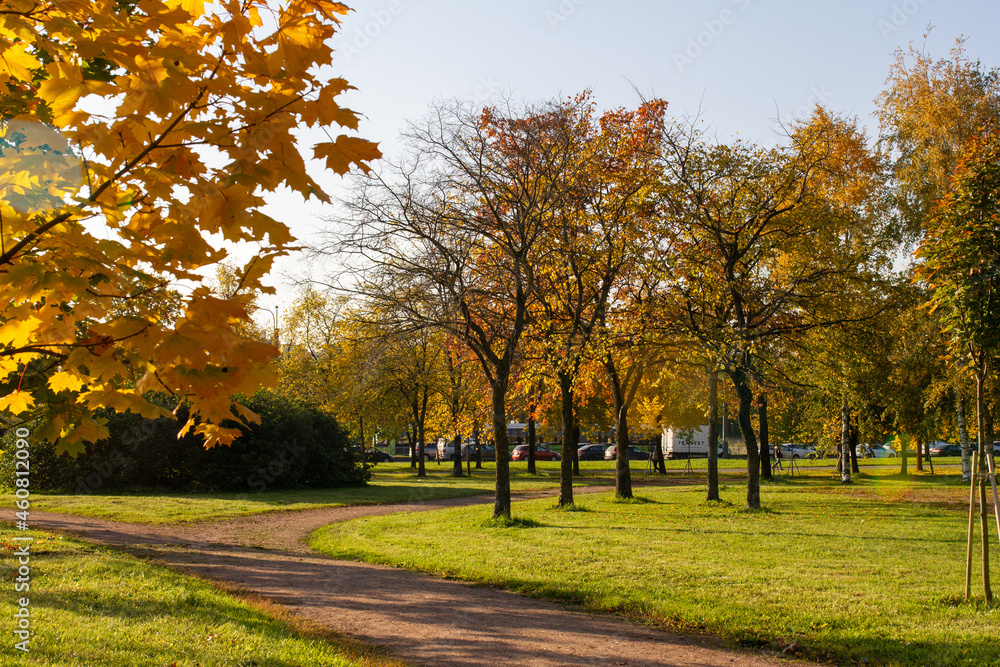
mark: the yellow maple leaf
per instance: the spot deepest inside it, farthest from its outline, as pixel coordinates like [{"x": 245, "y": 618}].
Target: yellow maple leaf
[
  {"x": 121, "y": 401},
  {"x": 17, "y": 402},
  {"x": 17, "y": 63},
  {"x": 73, "y": 439},
  {"x": 62, "y": 381},
  {"x": 347, "y": 151},
  {"x": 329, "y": 9},
  {"x": 194, "y": 7},
  {"x": 18, "y": 332},
  {"x": 66, "y": 85}
]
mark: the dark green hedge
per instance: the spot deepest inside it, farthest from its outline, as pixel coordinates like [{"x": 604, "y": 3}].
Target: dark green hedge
[{"x": 295, "y": 446}]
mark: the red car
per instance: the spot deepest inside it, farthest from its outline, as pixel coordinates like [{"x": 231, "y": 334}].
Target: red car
[{"x": 520, "y": 453}]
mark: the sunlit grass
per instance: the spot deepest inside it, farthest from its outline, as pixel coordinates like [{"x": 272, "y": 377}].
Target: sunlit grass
[
  {"x": 94, "y": 607},
  {"x": 868, "y": 572},
  {"x": 391, "y": 483}
]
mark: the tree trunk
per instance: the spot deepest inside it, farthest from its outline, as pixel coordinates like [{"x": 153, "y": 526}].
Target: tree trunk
[
  {"x": 501, "y": 503},
  {"x": 574, "y": 447},
  {"x": 457, "y": 472},
  {"x": 479, "y": 447},
  {"x": 623, "y": 472},
  {"x": 963, "y": 438},
  {"x": 421, "y": 470},
  {"x": 852, "y": 428},
  {"x": 981, "y": 411},
  {"x": 657, "y": 456},
  {"x": 845, "y": 443},
  {"x": 765, "y": 451},
  {"x": 422, "y": 430},
  {"x": 920, "y": 454},
  {"x": 566, "y": 467},
  {"x": 726, "y": 454},
  {"x": 713, "y": 434},
  {"x": 742, "y": 385},
  {"x": 903, "y": 458},
  {"x": 531, "y": 442},
  {"x": 413, "y": 446}
]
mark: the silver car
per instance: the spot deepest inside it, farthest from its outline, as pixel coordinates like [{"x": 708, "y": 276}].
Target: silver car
[
  {"x": 877, "y": 451},
  {"x": 791, "y": 450}
]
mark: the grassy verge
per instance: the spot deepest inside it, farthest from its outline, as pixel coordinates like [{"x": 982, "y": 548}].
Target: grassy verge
[
  {"x": 94, "y": 607},
  {"x": 392, "y": 483},
  {"x": 170, "y": 507},
  {"x": 867, "y": 573}
]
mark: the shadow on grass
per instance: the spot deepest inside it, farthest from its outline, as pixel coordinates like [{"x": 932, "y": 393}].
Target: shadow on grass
[
  {"x": 875, "y": 650},
  {"x": 636, "y": 500},
  {"x": 753, "y": 511},
  {"x": 722, "y": 504},
  {"x": 779, "y": 479},
  {"x": 975, "y": 603},
  {"x": 508, "y": 522},
  {"x": 572, "y": 507}
]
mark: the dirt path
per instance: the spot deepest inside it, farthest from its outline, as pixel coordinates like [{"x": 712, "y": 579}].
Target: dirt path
[{"x": 422, "y": 619}]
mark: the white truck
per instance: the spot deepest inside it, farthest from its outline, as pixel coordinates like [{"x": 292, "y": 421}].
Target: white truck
[{"x": 686, "y": 443}]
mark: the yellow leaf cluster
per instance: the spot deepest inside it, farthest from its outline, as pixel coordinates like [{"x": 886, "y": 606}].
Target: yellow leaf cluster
[{"x": 147, "y": 129}]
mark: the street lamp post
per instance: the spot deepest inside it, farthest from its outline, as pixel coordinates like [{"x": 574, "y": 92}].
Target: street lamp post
[{"x": 275, "y": 316}]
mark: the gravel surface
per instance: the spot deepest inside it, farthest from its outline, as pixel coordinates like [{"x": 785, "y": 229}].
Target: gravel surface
[{"x": 422, "y": 619}]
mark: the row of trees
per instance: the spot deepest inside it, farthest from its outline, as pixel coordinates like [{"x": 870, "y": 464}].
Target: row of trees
[{"x": 525, "y": 259}]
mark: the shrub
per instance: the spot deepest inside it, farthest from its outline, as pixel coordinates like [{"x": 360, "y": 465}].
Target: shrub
[{"x": 295, "y": 446}]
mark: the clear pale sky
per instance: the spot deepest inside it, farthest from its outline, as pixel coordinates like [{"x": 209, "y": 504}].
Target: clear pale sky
[{"x": 745, "y": 63}]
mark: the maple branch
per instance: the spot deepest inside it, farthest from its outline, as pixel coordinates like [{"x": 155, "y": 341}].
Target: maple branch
[{"x": 35, "y": 235}]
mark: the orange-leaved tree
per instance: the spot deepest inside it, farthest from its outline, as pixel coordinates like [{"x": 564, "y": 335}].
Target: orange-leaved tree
[{"x": 135, "y": 136}]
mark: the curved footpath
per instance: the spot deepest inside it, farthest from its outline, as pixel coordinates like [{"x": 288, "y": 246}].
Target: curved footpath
[{"x": 422, "y": 619}]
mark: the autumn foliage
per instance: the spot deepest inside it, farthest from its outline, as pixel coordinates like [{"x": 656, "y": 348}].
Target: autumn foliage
[{"x": 172, "y": 121}]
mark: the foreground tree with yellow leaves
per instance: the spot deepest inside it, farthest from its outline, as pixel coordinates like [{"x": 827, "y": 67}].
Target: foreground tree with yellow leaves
[{"x": 132, "y": 132}]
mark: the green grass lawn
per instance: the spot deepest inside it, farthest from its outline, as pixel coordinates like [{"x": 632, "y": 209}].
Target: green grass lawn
[
  {"x": 392, "y": 482},
  {"x": 93, "y": 607},
  {"x": 173, "y": 507},
  {"x": 871, "y": 572}
]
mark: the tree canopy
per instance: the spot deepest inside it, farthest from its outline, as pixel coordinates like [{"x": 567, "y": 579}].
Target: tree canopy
[{"x": 137, "y": 137}]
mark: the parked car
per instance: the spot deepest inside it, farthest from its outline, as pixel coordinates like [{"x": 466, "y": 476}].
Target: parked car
[
  {"x": 488, "y": 452},
  {"x": 589, "y": 452},
  {"x": 446, "y": 448},
  {"x": 429, "y": 452},
  {"x": 542, "y": 453},
  {"x": 877, "y": 452},
  {"x": 945, "y": 449},
  {"x": 792, "y": 450},
  {"x": 634, "y": 454},
  {"x": 376, "y": 456}
]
